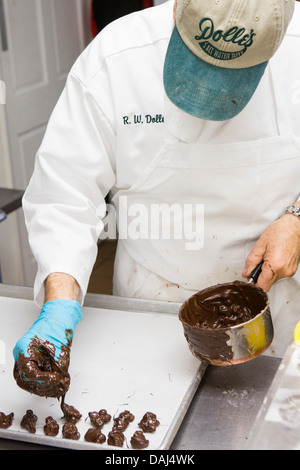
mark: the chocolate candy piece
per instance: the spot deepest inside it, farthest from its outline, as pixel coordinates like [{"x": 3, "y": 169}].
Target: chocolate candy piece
[
  {"x": 123, "y": 420},
  {"x": 138, "y": 441},
  {"x": 28, "y": 422},
  {"x": 70, "y": 413},
  {"x": 105, "y": 416},
  {"x": 149, "y": 422},
  {"x": 115, "y": 438},
  {"x": 99, "y": 418},
  {"x": 6, "y": 420},
  {"x": 95, "y": 435},
  {"x": 70, "y": 431},
  {"x": 96, "y": 419},
  {"x": 51, "y": 427}
]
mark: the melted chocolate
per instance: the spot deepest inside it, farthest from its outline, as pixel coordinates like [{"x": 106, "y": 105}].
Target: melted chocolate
[
  {"x": 51, "y": 427},
  {"x": 208, "y": 315},
  {"x": 40, "y": 373},
  {"x": 224, "y": 305},
  {"x": 149, "y": 422},
  {"x": 209, "y": 345},
  {"x": 6, "y": 420},
  {"x": 139, "y": 441},
  {"x": 70, "y": 431},
  {"x": 95, "y": 435},
  {"x": 28, "y": 422},
  {"x": 115, "y": 438}
]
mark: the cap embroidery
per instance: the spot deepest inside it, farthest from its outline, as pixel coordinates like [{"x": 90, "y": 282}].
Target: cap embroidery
[{"x": 234, "y": 35}]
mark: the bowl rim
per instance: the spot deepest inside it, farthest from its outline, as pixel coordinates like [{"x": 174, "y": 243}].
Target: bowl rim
[{"x": 265, "y": 311}]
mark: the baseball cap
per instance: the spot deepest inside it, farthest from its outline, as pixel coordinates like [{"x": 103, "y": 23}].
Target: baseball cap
[{"x": 218, "y": 52}]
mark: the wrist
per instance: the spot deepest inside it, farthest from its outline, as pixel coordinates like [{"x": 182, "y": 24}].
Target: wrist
[
  {"x": 61, "y": 286},
  {"x": 293, "y": 210},
  {"x": 64, "y": 312}
]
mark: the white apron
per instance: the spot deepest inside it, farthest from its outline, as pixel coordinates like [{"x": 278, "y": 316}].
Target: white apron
[{"x": 242, "y": 188}]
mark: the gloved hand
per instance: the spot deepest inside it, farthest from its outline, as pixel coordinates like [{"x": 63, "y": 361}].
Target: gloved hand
[{"x": 42, "y": 355}]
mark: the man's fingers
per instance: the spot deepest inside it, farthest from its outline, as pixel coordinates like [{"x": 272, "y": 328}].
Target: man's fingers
[
  {"x": 279, "y": 247},
  {"x": 267, "y": 277},
  {"x": 254, "y": 258},
  {"x": 273, "y": 269}
]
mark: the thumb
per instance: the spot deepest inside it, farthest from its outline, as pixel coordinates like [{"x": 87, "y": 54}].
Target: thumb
[{"x": 255, "y": 257}]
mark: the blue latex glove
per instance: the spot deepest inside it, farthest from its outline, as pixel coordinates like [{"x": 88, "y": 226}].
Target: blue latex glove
[{"x": 42, "y": 355}]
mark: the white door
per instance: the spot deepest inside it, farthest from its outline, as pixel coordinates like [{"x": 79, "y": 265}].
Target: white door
[{"x": 40, "y": 40}]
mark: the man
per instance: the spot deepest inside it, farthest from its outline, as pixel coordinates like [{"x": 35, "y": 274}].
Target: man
[{"x": 202, "y": 123}]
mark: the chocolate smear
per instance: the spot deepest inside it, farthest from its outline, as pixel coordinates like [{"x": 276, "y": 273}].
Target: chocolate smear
[{"x": 39, "y": 373}]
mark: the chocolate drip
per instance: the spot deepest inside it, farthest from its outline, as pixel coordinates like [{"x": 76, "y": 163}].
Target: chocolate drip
[{"x": 70, "y": 413}]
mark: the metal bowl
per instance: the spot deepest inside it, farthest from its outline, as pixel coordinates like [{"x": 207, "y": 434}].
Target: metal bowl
[{"x": 229, "y": 345}]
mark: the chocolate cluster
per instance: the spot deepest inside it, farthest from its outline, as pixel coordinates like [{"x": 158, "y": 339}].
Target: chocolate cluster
[{"x": 94, "y": 434}]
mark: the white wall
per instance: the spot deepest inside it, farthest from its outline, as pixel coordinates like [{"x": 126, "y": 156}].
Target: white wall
[
  {"x": 10, "y": 256},
  {"x": 11, "y": 238},
  {"x": 10, "y": 248}
]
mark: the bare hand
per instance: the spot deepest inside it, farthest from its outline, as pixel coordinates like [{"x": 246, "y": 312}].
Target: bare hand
[{"x": 279, "y": 247}]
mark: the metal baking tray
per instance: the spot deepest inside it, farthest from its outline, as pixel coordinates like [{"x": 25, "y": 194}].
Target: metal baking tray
[{"x": 120, "y": 360}]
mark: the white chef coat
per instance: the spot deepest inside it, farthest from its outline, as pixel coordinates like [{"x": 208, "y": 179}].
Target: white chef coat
[{"x": 107, "y": 128}]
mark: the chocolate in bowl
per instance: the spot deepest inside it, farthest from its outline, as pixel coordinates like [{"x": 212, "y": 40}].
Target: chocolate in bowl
[{"x": 227, "y": 323}]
